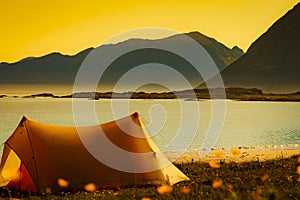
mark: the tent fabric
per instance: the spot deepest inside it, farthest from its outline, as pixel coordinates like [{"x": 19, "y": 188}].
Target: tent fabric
[{"x": 36, "y": 155}]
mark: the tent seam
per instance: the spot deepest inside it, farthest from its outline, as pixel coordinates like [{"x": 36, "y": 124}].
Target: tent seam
[{"x": 33, "y": 157}]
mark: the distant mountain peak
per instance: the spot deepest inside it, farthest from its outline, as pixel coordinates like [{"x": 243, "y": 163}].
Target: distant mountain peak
[{"x": 236, "y": 48}]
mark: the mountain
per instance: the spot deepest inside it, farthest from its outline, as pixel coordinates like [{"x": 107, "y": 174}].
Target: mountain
[
  {"x": 50, "y": 69},
  {"x": 58, "y": 69},
  {"x": 222, "y": 55},
  {"x": 272, "y": 62}
]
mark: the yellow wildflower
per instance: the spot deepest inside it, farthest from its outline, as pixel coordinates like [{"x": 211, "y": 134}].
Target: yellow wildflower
[
  {"x": 235, "y": 151},
  {"x": 214, "y": 165},
  {"x": 298, "y": 170},
  {"x": 62, "y": 182},
  {"x": 265, "y": 177},
  {"x": 219, "y": 154},
  {"x": 229, "y": 186},
  {"x": 164, "y": 189},
  {"x": 217, "y": 183},
  {"x": 185, "y": 190},
  {"x": 90, "y": 187}
]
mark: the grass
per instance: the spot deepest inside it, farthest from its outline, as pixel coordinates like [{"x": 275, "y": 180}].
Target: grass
[{"x": 274, "y": 179}]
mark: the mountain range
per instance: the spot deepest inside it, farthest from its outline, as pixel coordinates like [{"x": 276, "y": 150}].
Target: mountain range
[{"x": 58, "y": 69}]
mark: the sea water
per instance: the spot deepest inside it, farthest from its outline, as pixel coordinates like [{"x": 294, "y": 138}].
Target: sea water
[{"x": 247, "y": 123}]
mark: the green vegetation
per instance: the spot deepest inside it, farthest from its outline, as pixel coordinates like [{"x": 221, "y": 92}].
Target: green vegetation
[{"x": 274, "y": 179}]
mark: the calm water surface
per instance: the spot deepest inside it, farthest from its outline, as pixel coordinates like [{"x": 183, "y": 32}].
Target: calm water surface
[{"x": 246, "y": 123}]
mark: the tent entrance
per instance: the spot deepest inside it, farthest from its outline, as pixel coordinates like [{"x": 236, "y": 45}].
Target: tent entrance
[{"x": 15, "y": 175}]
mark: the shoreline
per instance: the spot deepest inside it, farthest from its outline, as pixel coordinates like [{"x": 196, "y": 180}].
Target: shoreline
[
  {"x": 259, "y": 154},
  {"x": 282, "y": 98},
  {"x": 232, "y": 93},
  {"x": 240, "y": 155}
]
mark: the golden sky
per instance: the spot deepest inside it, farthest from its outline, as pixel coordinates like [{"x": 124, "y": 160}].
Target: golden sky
[{"x": 36, "y": 28}]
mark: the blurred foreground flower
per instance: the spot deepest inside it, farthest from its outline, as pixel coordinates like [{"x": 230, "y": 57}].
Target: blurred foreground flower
[
  {"x": 164, "y": 189},
  {"x": 145, "y": 198},
  {"x": 217, "y": 183},
  {"x": 90, "y": 187},
  {"x": 298, "y": 170},
  {"x": 265, "y": 177},
  {"x": 48, "y": 190},
  {"x": 298, "y": 160},
  {"x": 219, "y": 154},
  {"x": 185, "y": 190},
  {"x": 258, "y": 192},
  {"x": 62, "y": 182},
  {"x": 229, "y": 186},
  {"x": 235, "y": 151},
  {"x": 214, "y": 165}
]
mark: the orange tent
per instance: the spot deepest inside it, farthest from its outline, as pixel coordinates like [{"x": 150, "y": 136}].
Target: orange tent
[{"x": 37, "y": 155}]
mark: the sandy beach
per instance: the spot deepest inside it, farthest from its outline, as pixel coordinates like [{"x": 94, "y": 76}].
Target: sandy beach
[{"x": 238, "y": 155}]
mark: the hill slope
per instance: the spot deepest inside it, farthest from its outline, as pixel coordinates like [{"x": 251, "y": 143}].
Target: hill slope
[{"x": 272, "y": 62}]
